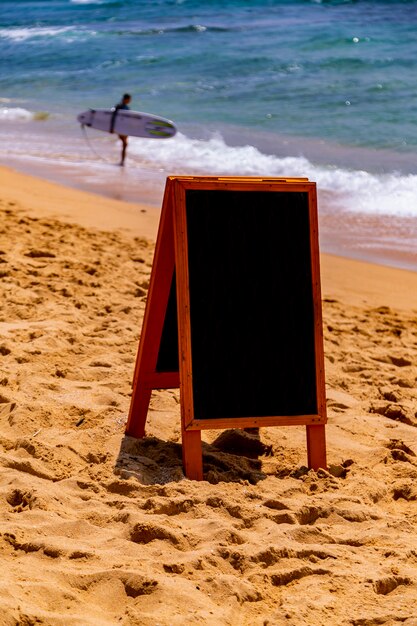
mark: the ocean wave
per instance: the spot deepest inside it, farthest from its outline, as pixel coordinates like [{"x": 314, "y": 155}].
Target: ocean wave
[
  {"x": 352, "y": 190},
  {"x": 108, "y": 3},
  {"x": 18, "y": 114},
  {"x": 189, "y": 28},
  {"x": 42, "y": 34},
  {"x": 22, "y": 34},
  {"x": 14, "y": 114}
]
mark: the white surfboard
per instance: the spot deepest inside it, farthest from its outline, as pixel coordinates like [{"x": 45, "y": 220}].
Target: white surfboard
[{"x": 126, "y": 122}]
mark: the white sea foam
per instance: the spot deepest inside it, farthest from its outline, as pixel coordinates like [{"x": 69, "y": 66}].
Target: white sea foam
[
  {"x": 22, "y": 34},
  {"x": 13, "y": 114},
  {"x": 90, "y": 1},
  {"x": 359, "y": 191}
]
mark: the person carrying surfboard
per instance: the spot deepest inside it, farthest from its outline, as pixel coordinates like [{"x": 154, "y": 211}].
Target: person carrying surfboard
[{"x": 123, "y": 105}]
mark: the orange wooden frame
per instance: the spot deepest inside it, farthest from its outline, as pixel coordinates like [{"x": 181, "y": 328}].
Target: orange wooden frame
[{"x": 171, "y": 254}]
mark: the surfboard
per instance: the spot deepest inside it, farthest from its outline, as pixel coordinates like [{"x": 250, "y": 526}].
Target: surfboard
[{"x": 126, "y": 122}]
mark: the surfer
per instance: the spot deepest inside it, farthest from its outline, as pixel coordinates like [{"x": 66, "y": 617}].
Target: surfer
[{"x": 123, "y": 105}]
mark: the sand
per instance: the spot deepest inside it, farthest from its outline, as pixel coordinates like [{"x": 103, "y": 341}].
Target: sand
[{"x": 97, "y": 528}]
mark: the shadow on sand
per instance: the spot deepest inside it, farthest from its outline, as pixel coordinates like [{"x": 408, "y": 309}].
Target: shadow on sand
[{"x": 234, "y": 456}]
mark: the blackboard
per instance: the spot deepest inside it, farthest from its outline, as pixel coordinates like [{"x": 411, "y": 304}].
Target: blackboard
[
  {"x": 251, "y": 304},
  {"x": 168, "y": 348},
  {"x": 233, "y": 315}
]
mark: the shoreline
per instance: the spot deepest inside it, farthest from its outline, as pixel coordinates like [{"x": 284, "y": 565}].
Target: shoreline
[
  {"x": 356, "y": 233},
  {"x": 361, "y": 281},
  {"x": 44, "y": 198}
]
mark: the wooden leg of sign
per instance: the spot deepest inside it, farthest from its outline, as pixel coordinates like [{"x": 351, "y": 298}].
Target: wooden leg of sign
[
  {"x": 146, "y": 376},
  {"x": 316, "y": 447},
  {"x": 192, "y": 454},
  {"x": 141, "y": 396}
]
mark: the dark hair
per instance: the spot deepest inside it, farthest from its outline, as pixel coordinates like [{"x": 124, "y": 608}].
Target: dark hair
[{"x": 127, "y": 96}]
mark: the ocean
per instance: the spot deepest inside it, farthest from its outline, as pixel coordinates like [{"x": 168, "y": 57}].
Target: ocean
[{"x": 316, "y": 88}]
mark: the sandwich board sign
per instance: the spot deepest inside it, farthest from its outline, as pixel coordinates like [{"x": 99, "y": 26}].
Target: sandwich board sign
[{"x": 233, "y": 316}]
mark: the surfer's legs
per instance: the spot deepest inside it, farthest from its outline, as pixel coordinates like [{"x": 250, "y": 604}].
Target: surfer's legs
[{"x": 123, "y": 139}]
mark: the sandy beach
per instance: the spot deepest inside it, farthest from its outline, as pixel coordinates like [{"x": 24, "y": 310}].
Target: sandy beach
[{"x": 101, "y": 529}]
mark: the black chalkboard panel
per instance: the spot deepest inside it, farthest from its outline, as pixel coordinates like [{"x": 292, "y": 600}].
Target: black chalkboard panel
[
  {"x": 168, "y": 348},
  {"x": 251, "y": 304}
]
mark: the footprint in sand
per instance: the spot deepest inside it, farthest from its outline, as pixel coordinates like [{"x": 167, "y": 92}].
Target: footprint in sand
[
  {"x": 21, "y": 500},
  {"x": 144, "y": 533},
  {"x": 405, "y": 491},
  {"x": 384, "y": 586},
  {"x": 40, "y": 254}
]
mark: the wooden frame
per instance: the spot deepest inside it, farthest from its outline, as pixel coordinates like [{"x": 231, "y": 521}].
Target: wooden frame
[{"x": 171, "y": 254}]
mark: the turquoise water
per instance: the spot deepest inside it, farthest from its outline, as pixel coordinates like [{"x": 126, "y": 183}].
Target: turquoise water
[
  {"x": 325, "y": 89},
  {"x": 343, "y": 71}
]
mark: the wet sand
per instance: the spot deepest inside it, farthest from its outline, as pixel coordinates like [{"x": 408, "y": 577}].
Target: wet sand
[
  {"x": 102, "y": 529},
  {"x": 376, "y": 238}
]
